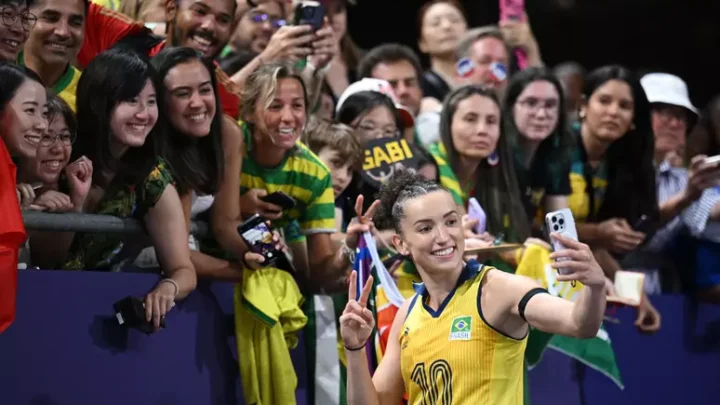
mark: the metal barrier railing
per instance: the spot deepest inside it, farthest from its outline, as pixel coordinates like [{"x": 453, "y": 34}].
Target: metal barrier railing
[{"x": 73, "y": 222}]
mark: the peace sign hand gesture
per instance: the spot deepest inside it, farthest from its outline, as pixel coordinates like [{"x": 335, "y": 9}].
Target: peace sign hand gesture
[
  {"x": 361, "y": 223},
  {"x": 357, "y": 322}
]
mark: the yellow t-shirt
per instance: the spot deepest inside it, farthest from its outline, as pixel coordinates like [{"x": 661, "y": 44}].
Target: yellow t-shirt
[
  {"x": 66, "y": 86},
  {"x": 452, "y": 356}
]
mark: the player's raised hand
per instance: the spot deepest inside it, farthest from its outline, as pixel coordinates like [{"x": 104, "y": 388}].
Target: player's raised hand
[{"x": 357, "y": 322}]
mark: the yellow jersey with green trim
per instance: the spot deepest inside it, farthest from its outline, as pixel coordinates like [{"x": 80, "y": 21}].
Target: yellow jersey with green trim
[
  {"x": 453, "y": 356},
  {"x": 579, "y": 199},
  {"x": 66, "y": 86},
  {"x": 301, "y": 175}
]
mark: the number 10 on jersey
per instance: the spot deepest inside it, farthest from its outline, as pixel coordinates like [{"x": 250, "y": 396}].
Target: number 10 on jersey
[{"x": 435, "y": 382}]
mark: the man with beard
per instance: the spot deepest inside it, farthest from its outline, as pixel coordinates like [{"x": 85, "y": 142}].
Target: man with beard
[
  {"x": 54, "y": 42},
  {"x": 204, "y": 25}
]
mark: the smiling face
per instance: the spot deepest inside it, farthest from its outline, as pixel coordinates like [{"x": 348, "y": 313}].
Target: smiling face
[
  {"x": 204, "y": 25},
  {"x": 15, "y": 24},
  {"x": 432, "y": 232},
  {"x": 131, "y": 121},
  {"x": 475, "y": 127},
  {"x": 24, "y": 120},
  {"x": 610, "y": 110},
  {"x": 283, "y": 121},
  {"x": 54, "y": 151},
  {"x": 59, "y": 32},
  {"x": 190, "y": 98}
]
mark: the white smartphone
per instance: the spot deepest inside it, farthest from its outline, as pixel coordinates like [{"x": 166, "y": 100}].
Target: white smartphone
[
  {"x": 712, "y": 160},
  {"x": 562, "y": 222}
]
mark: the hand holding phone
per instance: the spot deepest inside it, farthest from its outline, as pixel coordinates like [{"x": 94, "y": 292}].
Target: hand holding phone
[
  {"x": 280, "y": 199},
  {"x": 475, "y": 211},
  {"x": 259, "y": 238},
  {"x": 310, "y": 13},
  {"x": 562, "y": 222}
]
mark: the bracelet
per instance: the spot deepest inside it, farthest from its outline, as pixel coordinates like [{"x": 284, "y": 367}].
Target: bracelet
[
  {"x": 356, "y": 349},
  {"x": 173, "y": 282},
  {"x": 349, "y": 253}
]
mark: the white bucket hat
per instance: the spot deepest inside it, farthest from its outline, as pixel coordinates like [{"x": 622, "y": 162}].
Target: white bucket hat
[
  {"x": 380, "y": 86},
  {"x": 667, "y": 89}
]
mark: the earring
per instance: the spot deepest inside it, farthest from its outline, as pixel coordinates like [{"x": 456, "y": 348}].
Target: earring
[
  {"x": 493, "y": 159},
  {"x": 581, "y": 115}
]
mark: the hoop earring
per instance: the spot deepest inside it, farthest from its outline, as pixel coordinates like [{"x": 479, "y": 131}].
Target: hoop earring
[{"x": 493, "y": 159}]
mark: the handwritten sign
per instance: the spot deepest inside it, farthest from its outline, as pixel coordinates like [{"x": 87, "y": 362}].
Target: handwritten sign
[{"x": 384, "y": 156}]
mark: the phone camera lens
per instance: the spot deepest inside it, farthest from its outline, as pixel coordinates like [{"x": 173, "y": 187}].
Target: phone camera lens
[
  {"x": 561, "y": 222},
  {"x": 556, "y": 227},
  {"x": 554, "y": 219}
]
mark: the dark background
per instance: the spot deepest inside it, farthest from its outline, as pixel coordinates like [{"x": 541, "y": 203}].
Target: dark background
[{"x": 675, "y": 36}]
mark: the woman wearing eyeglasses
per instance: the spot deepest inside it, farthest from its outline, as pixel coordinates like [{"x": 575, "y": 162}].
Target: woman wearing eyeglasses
[
  {"x": 16, "y": 22},
  {"x": 535, "y": 129},
  {"x": 45, "y": 170}
]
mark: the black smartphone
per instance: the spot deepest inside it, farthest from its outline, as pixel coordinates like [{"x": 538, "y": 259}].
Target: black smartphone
[
  {"x": 280, "y": 199},
  {"x": 643, "y": 224},
  {"x": 310, "y": 13},
  {"x": 130, "y": 312},
  {"x": 259, "y": 237}
]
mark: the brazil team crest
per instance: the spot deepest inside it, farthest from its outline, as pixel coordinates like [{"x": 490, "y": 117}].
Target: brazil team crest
[{"x": 460, "y": 328}]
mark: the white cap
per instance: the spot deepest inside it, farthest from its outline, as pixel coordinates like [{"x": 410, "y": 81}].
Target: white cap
[
  {"x": 380, "y": 86},
  {"x": 667, "y": 89}
]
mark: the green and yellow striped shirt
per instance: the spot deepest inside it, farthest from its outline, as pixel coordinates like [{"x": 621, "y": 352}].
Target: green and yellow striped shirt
[{"x": 304, "y": 177}]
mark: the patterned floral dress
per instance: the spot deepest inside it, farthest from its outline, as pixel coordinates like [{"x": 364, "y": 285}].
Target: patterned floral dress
[{"x": 102, "y": 251}]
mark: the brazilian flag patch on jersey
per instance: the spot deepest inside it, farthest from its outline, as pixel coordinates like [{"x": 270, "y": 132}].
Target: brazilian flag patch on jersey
[{"x": 460, "y": 328}]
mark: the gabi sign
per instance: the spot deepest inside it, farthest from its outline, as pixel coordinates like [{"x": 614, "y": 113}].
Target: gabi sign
[{"x": 384, "y": 156}]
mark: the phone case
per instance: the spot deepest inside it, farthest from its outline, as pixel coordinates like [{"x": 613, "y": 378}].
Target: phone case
[
  {"x": 259, "y": 238},
  {"x": 562, "y": 222},
  {"x": 513, "y": 10},
  {"x": 475, "y": 211},
  {"x": 280, "y": 199},
  {"x": 712, "y": 159}
]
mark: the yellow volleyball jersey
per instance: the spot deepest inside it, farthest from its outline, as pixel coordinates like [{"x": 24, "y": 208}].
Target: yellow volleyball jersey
[{"x": 452, "y": 356}]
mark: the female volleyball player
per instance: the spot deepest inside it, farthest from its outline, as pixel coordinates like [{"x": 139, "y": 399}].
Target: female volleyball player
[{"x": 461, "y": 338}]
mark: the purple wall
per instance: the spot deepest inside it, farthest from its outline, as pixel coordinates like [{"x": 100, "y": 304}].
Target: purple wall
[{"x": 65, "y": 348}]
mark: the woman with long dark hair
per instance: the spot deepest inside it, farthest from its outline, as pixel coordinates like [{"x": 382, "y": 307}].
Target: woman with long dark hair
[
  {"x": 476, "y": 160},
  {"x": 23, "y": 113},
  {"x": 193, "y": 143},
  {"x": 117, "y": 116},
  {"x": 612, "y": 173},
  {"x": 535, "y": 127}
]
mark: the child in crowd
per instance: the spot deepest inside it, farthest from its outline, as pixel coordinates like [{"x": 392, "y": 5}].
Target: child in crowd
[{"x": 336, "y": 145}]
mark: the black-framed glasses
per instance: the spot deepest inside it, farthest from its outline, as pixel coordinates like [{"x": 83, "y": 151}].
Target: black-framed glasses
[
  {"x": 66, "y": 137},
  {"x": 10, "y": 17},
  {"x": 260, "y": 18}
]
